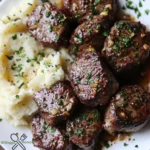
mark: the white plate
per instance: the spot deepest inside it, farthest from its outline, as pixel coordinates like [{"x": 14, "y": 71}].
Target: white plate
[{"x": 141, "y": 138}]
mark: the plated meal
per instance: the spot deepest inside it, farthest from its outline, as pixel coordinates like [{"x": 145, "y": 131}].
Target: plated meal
[{"x": 72, "y": 70}]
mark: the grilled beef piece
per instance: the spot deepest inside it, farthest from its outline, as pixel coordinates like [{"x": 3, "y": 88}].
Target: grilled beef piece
[
  {"x": 84, "y": 128},
  {"x": 49, "y": 25},
  {"x": 91, "y": 32},
  {"x": 47, "y": 137},
  {"x": 126, "y": 47},
  {"x": 93, "y": 83},
  {"x": 57, "y": 103},
  {"x": 83, "y": 10},
  {"x": 128, "y": 111}
]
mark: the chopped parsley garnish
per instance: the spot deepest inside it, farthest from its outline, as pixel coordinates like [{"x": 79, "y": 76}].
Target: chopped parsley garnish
[
  {"x": 57, "y": 37},
  {"x": 19, "y": 67},
  {"x": 45, "y": 126},
  {"x": 93, "y": 10},
  {"x": 98, "y": 26},
  {"x": 61, "y": 18},
  {"x": 41, "y": 54},
  {"x": 9, "y": 57},
  {"x": 0, "y": 120},
  {"x": 13, "y": 67},
  {"x": 30, "y": 4},
  {"x": 88, "y": 76},
  {"x": 51, "y": 129},
  {"x": 139, "y": 14},
  {"x": 125, "y": 144},
  {"x": 98, "y": 75},
  {"x": 14, "y": 37},
  {"x": 28, "y": 60},
  {"x": 75, "y": 48},
  {"x": 41, "y": 134},
  {"x": 77, "y": 16},
  {"x": 140, "y": 4},
  {"x": 50, "y": 28},
  {"x": 91, "y": 82},
  {"x": 124, "y": 8},
  {"x": 19, "y": 75},
  {"x": 21, "y": 85},
  {"x": 124, "y": 94},
  {"x": 90, "y": 30},
  {"x": 19, "y": 51},
  {"x": 96, "y": 115},
  {"x": 48, "y": 14},
  {"x": 126, "y": 41},
  {"x": 147, "y": 11},
  {"x": 79, "y": 132},
  {"x": 83, "y": 116},
  {"x": 129, "y": 5},
  {"x": 99, "y": 86},
  {"x": 60, "y": 102},
  {"x": 17, "y": 96},
  {"x": 116, "y": 48},
  {"x": 89, "y": 120},
  {"x": 97, "y": 1},
  {"x": 120, "y": 25},
  {"x": 105, "y": 34},
  {"x": 107, "y": 145},
  {"x": 136, "y": 146},
  {"x": 78, "y": 82},
  {"x": 80, "y": 39}
]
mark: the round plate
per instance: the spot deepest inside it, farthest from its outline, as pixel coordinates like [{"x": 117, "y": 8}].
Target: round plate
[{"x": 139, "y": 140}]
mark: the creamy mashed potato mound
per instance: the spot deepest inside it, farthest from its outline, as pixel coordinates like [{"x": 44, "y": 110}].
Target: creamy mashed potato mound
[{"x": 25, "y": 65}]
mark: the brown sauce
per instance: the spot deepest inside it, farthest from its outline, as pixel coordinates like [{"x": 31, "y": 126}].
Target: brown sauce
[
  {"x": 144, "y": 77},
  {"x": 107, "y": 140},
  {"x": 122, "y": 16}
]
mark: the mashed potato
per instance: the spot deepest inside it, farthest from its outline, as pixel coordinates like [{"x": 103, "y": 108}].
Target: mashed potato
[{"x": 25, "y": 65}]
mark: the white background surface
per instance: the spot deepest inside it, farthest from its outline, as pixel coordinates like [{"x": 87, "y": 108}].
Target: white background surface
[{"x": 142, "y": 138}]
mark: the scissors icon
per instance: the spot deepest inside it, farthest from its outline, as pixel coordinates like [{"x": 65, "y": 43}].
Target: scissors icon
[{"x": 18, "y": 142}]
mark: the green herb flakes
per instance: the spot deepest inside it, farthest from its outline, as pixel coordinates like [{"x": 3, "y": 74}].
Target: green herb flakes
[
  {"x": 50, "y": 28},
  {"x": 60, "y": 102},
  {"x": 75, "y": 48},
  {"x": 14, "y": 37},
  {"x": 57, "y": 37},
  {"x": 125, "y": 144},
  {"x": 140, "y": 4},
  {"x": 116, "y": 48},
  {"x": 30, "y": 4},
  {"x": 48, "y": 14},
  {"x": 88, "y": 76},
  {"x": 147, "y": 11},
  {"x": 51, "y": 130},
  {"x": 9, "y": 57},
  {"x": 79, "y": 132},
  {"x": 21, "y": 85},
  {"x": 17, "y": 96}
]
